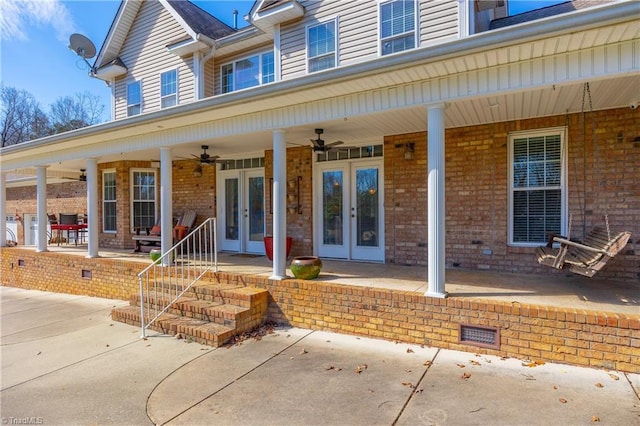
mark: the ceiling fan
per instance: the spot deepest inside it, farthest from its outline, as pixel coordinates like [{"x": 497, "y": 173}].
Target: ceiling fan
[
  {"x": 319, "y": 145},
  {"x": 206, "y": 158}
]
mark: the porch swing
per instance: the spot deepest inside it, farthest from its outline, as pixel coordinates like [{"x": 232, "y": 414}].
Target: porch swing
[{"x": 588, "y": 256}]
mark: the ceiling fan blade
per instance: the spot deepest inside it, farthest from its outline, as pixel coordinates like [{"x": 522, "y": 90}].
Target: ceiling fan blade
[
  {"x": 329, "y": 145},
  {"x": 317, "y": 143}
]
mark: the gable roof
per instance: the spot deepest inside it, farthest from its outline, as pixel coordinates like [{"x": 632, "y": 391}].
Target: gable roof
[
  {"x": 200, "y": 21},
  {"x": 545, "y": 12},
  {"x": 195, "y": 22}
]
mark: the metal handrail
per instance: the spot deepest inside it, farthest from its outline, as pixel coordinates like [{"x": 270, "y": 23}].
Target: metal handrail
[{"x": 170, "y": 276}]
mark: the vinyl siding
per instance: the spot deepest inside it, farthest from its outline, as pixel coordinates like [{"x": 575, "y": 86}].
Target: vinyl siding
[
  {"x": 209, "y": 71},
  {"x": 438, "y": 21},
  {"x": 145, "y": 54},
  {"x": 358, "y": 30}
]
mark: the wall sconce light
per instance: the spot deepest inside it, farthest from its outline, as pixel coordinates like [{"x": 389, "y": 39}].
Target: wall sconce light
[
  {"x": 197, "y": 172},
  {"x": 409, "y": 151}
]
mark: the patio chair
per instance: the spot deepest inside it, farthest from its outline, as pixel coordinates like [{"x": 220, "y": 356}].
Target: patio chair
[
  {"x": 153, "y": 238},
  {"x": 586, "y": 257},
  {"x": 66, "y": 222}
]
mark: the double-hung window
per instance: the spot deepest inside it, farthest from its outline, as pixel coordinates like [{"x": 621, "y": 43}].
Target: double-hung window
[
  {"x": 537, "y": 186},
  {"x": 143, "y": 198},
  {"x": 134, "y": 99},
  {"x": 248, "y": 72},
  {"x": 109, "y": 201},
  {"x": 397, "y": 26},
  {"x": 168, "y": 88},
  {"x": 321, "y": 46}
]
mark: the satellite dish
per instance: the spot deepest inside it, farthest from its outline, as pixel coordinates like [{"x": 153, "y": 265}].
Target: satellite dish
[{"x": 82, "y": 46}]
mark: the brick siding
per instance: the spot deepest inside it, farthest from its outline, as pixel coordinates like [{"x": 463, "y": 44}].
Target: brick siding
[{"x": 602, "y": 179}]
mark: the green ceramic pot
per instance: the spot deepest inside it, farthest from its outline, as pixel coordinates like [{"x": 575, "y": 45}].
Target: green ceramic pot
[
  {"x": 306, "y": 267},
  {"x": 155, "y": 254}
]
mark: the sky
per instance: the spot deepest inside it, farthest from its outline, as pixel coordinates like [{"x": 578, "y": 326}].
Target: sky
[{"x": 34, "y": 40}]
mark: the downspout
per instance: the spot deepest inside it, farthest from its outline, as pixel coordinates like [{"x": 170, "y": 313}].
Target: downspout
[{"x": 201, "y": 70}]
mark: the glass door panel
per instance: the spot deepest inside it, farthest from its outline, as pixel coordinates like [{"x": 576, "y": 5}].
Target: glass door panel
[
  {"x": 254, "y": 213},
  {"x": 366, "y": 207},
  {"x": 228, "y": 211},
  {"x": 333, "y": 211}
]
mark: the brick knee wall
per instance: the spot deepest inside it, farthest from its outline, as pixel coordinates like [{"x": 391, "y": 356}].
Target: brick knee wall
[
  {"x": 570, "y": 336},
  {"x": 48, "y": 271},
  {"x": 534, "y": 332}
]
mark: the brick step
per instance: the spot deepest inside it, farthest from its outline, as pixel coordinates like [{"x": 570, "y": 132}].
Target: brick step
[
  {"x": 216, "y": 312},
  {"x": 208, "y": 313},
  {"x": 200, "y": 331},
  {"x": 225, "y": 293}
]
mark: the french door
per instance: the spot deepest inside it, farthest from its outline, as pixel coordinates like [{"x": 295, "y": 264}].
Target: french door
[
  {"x": 349, "y": 213},
  {"x": 241, "y": 211}
]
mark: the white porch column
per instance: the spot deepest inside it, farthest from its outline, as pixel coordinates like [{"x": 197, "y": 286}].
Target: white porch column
[
  {"x": 92, "y": 208},
  {"x": 279, "y": 205},
  {"x": 41, "y": 207},
  {"x": 166, "y": 201},
  {"x": 3, "y": 210},
  {"x": 435, "y": 203}
]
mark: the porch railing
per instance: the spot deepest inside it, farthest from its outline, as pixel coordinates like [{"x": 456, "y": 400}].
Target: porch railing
[{"x": 170, "y": 276}]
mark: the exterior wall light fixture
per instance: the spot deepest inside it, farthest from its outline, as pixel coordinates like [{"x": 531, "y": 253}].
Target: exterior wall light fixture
[{"x": 409, "y": 151}]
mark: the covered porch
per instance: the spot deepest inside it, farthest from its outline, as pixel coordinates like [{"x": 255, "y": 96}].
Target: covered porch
[{"x": 559, "y": 289}]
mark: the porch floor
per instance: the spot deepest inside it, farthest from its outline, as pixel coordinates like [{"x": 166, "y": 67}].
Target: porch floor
[{"x": 555, "y": 289}]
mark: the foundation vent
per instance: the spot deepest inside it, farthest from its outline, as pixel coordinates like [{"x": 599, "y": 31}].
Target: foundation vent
[{"x": 486, "y": 337}]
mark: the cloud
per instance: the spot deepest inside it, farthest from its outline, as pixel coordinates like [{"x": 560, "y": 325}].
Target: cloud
[{"x": 16, "y": 16}]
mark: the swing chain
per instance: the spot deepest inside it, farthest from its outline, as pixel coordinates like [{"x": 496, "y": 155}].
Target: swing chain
[{"x": 586, "y": 90}]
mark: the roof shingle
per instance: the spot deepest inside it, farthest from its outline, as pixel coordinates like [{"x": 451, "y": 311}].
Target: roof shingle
[{"x": 201, "y": 21}]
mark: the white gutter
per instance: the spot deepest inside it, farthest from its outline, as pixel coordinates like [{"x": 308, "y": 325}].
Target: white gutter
[{"x": 556, "y": 25}]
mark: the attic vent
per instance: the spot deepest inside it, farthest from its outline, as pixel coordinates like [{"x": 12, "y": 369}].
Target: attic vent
[{"x": 486, "y": 337}]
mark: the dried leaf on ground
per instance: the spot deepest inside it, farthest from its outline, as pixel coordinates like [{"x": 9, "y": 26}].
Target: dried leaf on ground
[
  {"x": 255, "y": 333},
  {"x": 555, "y": 387},
  {"x": 614, "y": 377},
  {"x": 595, "y": 418},
  {"x": 599, "y": 385},
  {"x": 460, "y": 365},
  {"x": 428, "y": 363},
  {"x": 303, "y": 351},
  {"x": 465, "y": 376},
  {"x": 409, "y": 384},
  {"x": 533, "y": 364},
  {"x": 409, "y": 350},
  {"x": 361, "y": 368},
  {"x": 562, "y": 400},
  {"x": 474, "y": 362}
]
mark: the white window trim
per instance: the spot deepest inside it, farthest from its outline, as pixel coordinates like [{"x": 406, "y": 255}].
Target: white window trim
[
  {"x": 562, "y": 131},
  {"x": 141, "y": 97},
  {"x": 233, "y": 63},
  {"x": 336, "y": 22},
  {"x": 177, "y": 86},
  {"x": 115, "y": 201},
  {"x": 416, "y": 33},
  {"x": 131, "y": 192}
]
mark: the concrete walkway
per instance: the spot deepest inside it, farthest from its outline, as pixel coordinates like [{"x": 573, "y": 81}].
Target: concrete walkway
[{"x": 65, "y": 362}]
